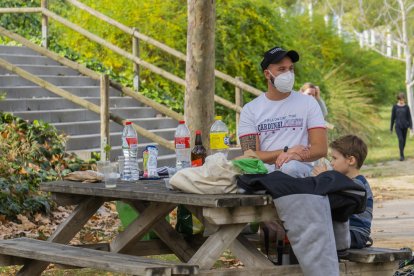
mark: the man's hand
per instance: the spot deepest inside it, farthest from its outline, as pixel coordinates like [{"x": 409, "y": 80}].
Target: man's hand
[
  {"x": 285, "y": 157},
  {"x": 302, "y": 151}
]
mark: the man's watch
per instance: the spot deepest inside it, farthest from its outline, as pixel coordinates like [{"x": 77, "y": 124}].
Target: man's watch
[{"x": 285, "y": 149}]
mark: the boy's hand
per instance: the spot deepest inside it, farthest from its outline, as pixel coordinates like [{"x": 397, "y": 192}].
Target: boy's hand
[{"x": 319, "y": 168}]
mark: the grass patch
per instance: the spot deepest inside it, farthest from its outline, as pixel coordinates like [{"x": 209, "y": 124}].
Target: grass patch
[{"x": 385, "y": 146}]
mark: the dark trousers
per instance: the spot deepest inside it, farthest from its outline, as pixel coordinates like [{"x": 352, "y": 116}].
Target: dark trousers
[{"x": 402, "y": 138}]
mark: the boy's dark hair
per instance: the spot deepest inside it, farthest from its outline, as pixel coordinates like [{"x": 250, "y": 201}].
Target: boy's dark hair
[{"x": 351, "y": 145}]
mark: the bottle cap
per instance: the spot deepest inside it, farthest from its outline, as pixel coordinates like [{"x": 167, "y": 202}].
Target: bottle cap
[
  {"x": 128, "y": 123},
  {"x": 218, "y": 118},
  {"x": 198, "y": 132},
  {"x": 181, "y": 122}
]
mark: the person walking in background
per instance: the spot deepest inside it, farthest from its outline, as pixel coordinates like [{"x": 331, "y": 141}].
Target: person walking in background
[
  {"x": 401, "y": 117},
  {"x": 312, "y": 90}
]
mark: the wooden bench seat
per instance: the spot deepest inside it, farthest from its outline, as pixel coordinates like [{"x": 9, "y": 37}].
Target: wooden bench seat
[
  {"x": 377, "y": 255},
  {"x": 31, "y": 249}
]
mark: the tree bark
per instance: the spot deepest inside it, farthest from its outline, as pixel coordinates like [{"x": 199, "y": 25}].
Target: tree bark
[
  {"x": 408, "y": 58},
  {"x": 200, "y": 63}
]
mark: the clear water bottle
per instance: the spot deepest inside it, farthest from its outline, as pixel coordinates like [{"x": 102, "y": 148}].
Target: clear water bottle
[
  {"x": 130, "y": 150},
  {"x": 182, "y": 146},
  {"x": 219, "y": 137}
]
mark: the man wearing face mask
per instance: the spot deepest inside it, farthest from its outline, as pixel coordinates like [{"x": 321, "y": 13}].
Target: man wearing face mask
[
  {"x": 287, "y": 131},
  {"x": 285, "y": 128}
]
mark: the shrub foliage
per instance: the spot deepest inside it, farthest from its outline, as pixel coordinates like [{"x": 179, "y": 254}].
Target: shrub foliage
[{"x": 30, "y": 153}]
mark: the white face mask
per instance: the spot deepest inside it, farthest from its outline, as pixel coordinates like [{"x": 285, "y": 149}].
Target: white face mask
[{"x": 284, "y": 82}]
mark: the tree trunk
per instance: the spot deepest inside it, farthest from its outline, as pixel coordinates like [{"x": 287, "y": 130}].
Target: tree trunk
[
  {"x": 200, "y": 63},
  {"x": 408, "y": 59}
]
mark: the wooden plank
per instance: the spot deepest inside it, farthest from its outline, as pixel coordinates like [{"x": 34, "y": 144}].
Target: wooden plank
[
  {"x": 175, "y": 241},
  {"x": 20, "y": 10},
  {"x": 211, "y": 250},
  {"x": 65, "y": 232},
  {"x": 67, "y": 199},
  {"x": 104, "y": 115},
  {"x": 81, "y": 257},
  {"x": 6, "y": 260},
  {"x": 154, "y": 190},
  {"x": 346, "y": 269},
  {"x": 291, "y": 270},
  {"x": 377, "y": 255},
  {"x": 244, "y": 214},
  {"x": 140, "y": 226},
  {"x": 248, "y": 253}
]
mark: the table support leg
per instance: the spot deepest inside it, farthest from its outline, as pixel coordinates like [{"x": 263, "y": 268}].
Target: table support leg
[
  {"x": 65, "y": 232},
  {"x": 181, "y": 248},
  {"x": 248, "y": 253},
  {"x": 155, "y": 212},
  {"x": 214, "y": 246}
]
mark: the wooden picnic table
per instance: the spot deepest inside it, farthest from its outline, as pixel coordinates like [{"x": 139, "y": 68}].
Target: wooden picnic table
[{"x": 224, "y": 217}]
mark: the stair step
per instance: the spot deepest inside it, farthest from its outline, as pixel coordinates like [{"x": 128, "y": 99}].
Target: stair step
[
  {"x": 52, "y": 70},
  {"x": 37, "y": 91},
  {"x": 28, "y": 59},
  {"x": 91, "y": 127},
  {"x": 14, "y": 80},
  {"x": 15, "y": 105},
  {"x": 78, "y": 142},
  {"x": 76, "y": 115},
  {"x": 17, "y": 50}
]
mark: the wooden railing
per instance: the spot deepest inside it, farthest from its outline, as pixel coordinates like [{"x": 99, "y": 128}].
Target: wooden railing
[
  {"x": 92, "y": 74},
  {"x": 240, "y": 86}
]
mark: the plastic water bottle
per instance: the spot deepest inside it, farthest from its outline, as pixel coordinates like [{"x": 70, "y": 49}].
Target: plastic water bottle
[
  {"x": 130, "y": 150},
  {"x": 219, "y": 137},
  {"x": 182, "y": 146}
]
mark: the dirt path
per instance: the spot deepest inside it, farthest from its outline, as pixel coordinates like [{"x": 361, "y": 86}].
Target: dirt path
[{"x": 392, "y": 184}]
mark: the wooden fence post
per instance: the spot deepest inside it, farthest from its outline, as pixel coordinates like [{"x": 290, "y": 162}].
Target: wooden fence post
[
  {"x": 45, "y": 24},
  {"x": 135, "y": 53},
  {"x": 104, "y": 89},
  {"x": 239, "y": 102}
]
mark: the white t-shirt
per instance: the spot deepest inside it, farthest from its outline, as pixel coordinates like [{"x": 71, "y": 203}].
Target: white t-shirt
[{"x": 281, "y": 123}]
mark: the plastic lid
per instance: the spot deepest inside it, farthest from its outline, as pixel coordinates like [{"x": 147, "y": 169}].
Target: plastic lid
[
  {"x": 218, "y": 118},
  {"x": 181, "y": 122},
  {"x": 198, "y": 132},
  {"x": 128, "y": 123}
]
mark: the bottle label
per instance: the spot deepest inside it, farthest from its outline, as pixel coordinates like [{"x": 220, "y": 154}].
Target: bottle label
[
  {"x": 132, "y": 142},
  {"x": 182, "y": 142},
  {"x": 197, "y": 162},
  {"x": 219, "y": 140}
]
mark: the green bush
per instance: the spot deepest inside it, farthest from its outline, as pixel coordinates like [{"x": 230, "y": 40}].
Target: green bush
[
  {"x": 244, "y": 30},
  {"x": 30, "y": 153}
]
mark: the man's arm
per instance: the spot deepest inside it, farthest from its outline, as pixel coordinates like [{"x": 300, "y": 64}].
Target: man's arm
[
  {"x": 318, "y": 148},
  {"x": 251, "y": 141},
  {"x": 318, "y": 144}
]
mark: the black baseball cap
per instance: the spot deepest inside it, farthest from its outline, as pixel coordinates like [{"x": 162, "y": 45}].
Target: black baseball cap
[{"x": 276, "y": 54}]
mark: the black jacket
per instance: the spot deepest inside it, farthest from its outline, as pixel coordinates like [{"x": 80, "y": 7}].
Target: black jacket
[
  {"x": 401, "y": 116},
  {"x": 345, "y": 196}
]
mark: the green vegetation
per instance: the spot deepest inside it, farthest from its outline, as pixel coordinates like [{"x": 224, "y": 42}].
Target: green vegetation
[
  {"x": 30, "y": 153},
  {"x": 244, "y": 30},
  {"x": 354, "y": 82}
]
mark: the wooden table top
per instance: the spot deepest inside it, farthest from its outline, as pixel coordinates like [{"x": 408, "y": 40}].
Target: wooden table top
[{"x": 153, "y": 190}]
